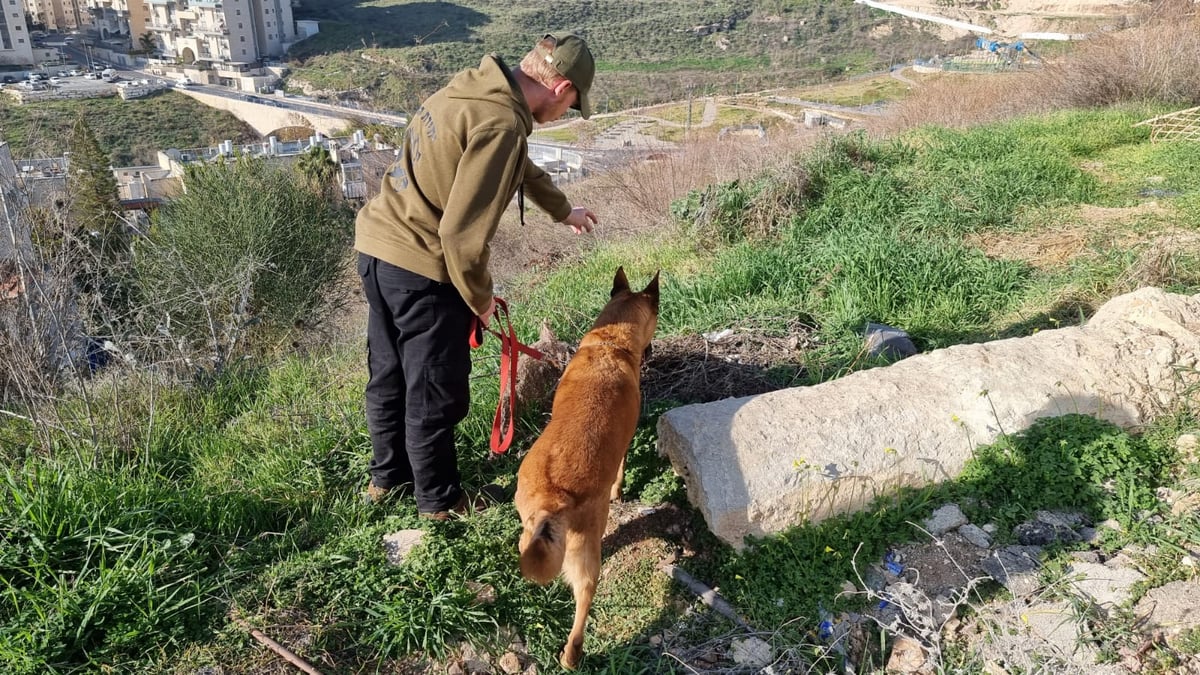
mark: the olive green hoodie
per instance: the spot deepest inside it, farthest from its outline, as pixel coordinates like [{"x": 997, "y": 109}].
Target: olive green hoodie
[{"x": 465, "y": 154}]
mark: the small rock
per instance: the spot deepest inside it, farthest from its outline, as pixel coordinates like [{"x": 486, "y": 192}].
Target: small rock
[
  {"x": 752, "y": 652},
  {"x": 716, "y": 336},
  {"x": 473, "y": 663},
  {"x": 510, "y": 663},
  {"x": 975, "y": 535},
  {"x": 455, "y": 669},
  {"x": 1170, "y": 609},
  {"x": 485, "y": 594},
  {"x": 991, "y": 529},
  {"x": 1037, "y": 533},
  {"x": 1015, "y": 567},
  {"x": 888, "y": 342},
  {"x": 398, "y": 545},
  {"x": 944, "y": 519},
  {"x": 655, "y": 640},
  {"x": 1063, "y": 519},
  {"x": 1106, "y": 586},
  {"x": 1187, "y": 444},
  {"x": 908, "y": 656},
  {"x": 995, "y": 668}
]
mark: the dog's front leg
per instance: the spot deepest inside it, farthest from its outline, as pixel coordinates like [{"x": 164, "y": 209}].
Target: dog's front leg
[{"x": 615, "y": 495}]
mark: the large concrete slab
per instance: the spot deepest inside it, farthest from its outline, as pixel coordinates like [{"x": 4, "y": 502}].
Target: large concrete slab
[{"x": 757, "y": 465}]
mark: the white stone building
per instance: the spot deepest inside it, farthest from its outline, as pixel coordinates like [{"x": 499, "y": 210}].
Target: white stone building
[
  {"x": 237, "y": 32},
  {"x": 16, "y": 46}
]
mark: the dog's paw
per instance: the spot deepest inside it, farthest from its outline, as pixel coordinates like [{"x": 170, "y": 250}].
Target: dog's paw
[{"x": 571, "y": 657}]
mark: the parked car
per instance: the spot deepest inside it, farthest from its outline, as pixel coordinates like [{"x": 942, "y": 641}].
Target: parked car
[
  {"x": 73, "y": 73},
  {"x": 55, "y": 80},
  {"x": 89, "y": 76},
  {"x": 9, "y": 79},
  {"x": 61, "y": 73}
]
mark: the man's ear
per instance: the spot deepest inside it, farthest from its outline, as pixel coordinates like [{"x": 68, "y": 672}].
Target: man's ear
[{"x": 561, "y": 87}]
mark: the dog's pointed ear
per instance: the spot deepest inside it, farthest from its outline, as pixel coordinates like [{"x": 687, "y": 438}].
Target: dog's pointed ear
[
  {"x": 620, "y": 283},
  {"x": 652, "y": 287}
]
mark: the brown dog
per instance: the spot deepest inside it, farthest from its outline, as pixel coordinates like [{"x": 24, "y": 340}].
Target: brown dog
[{"x": 574, "y": 469}]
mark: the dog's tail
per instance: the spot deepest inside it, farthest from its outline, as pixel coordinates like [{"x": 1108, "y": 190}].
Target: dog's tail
[{"x": 543, "y": 548}]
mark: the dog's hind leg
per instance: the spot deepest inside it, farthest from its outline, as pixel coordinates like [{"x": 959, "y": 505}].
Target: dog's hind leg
[
  {"x": 581, "y": 568},
  {"x": 615, "y": 495}
]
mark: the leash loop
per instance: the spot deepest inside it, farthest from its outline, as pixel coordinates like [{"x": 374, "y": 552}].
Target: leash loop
[{"x": 510, "y": 349}]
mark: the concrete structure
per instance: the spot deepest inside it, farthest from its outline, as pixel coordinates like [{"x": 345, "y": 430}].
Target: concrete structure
[
  {"x": 241, "y": 32},
  {"x": 269, "y": 113},
  {"x": 43, "y": 181},
  {"x": 14, "y": 230},
  {"x": 139, "y": 186},
  {"x": 758, "y": 465},
  {"x": 58, "y": 15},
  {"x": 16, "y": 46},
  {"x": 119, "y": 19}
]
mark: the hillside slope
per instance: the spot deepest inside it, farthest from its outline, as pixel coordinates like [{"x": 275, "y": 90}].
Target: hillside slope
[{"x": 392, "y": 53}]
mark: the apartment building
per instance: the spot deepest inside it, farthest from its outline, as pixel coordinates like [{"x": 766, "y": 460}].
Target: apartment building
[
  {"x": 238, "y": 32},
  {"x": 119, "y": 19},
  {"x": 58, "y": 15},
  {"x": 16, "y": 47}
]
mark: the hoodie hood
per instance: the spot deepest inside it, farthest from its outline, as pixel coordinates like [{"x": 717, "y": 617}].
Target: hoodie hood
[{"x": 491, "y": 83}]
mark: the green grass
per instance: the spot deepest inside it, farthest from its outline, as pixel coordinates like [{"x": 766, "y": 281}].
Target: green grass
[
  {"x": 857, "y": 92},
  {"x": 130, "y": 132},
  {"x": 143, "y": 543}
]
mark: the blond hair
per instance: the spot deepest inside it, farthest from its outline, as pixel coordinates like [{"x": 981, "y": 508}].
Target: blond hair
[{"x": 535, "y": 65}]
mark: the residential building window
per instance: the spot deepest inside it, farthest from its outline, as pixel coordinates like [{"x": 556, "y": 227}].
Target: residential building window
[
  {"x": 243, "y": 38},
  {"x": 21, "y": 40},
  {"x": 268, "y": 24}
]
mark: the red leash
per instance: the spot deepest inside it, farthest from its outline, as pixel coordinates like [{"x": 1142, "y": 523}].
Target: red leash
[{"x": 510, "y": 348}]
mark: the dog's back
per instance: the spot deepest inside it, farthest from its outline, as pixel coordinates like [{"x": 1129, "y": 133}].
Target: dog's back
[{"x": 574, "y": 469}]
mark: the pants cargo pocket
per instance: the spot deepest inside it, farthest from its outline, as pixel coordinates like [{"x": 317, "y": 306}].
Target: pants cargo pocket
[{"x": 444, "y": 397}]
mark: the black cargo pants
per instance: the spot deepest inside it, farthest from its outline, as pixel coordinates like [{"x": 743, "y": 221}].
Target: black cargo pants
[{"x": 419, "y": 388}]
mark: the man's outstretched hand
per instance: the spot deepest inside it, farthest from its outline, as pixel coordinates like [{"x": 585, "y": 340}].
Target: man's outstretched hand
[{"x": 581, "y": 219}]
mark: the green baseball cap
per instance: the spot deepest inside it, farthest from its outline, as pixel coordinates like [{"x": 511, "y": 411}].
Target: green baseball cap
[{"x": 573, "y": 60}]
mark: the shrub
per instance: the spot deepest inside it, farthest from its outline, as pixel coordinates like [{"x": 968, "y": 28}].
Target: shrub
[{"x": 246, "y": 246}]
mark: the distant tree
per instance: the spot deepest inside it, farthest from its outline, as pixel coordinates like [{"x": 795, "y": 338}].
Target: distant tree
[
  {"x": 147, "y": 42},
  {"x": 94, "y": 214}
]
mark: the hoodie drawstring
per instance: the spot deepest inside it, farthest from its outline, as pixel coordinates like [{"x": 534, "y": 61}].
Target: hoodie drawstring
[{"x": 521, "y": 203}]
